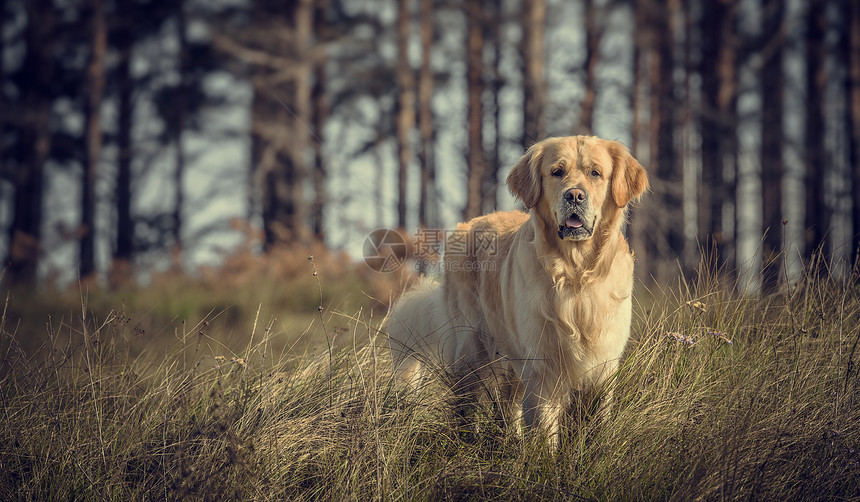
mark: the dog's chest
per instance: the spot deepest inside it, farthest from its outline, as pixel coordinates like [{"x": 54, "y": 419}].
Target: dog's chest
[
  {"x": 584, "y": 314},
  {"x": 593, "y": 324}
]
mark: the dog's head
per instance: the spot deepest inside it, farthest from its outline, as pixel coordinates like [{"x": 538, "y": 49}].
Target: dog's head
[{"x": 577, "y": 182}]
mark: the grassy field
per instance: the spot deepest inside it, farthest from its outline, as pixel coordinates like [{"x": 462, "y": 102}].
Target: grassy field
[{"x": 719, "y": 397}]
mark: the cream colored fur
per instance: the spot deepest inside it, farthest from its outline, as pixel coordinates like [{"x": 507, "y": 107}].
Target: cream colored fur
[{"x": 539, "y": 316}]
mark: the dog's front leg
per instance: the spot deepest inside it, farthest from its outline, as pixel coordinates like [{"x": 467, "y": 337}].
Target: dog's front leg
[
  {"x": 604, "y": 390},
  {"x": 540, "y": 411},
  {"x": 511, "y": 399},
  {"x": 531, "y": 404}
]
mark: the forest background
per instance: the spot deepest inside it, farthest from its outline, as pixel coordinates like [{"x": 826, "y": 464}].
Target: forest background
[{"x": 145, "y": 137}]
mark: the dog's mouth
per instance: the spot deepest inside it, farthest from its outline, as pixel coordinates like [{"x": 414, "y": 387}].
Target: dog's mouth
[
  {"x": 575, "y": 228},
  {"x": 573, "y": 222}
]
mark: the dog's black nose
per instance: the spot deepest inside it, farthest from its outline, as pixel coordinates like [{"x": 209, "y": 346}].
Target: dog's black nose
[{"x": 575, "y": 195}]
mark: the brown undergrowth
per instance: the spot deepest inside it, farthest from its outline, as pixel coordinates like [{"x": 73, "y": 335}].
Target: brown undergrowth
[{"x": 719, "y": 396}]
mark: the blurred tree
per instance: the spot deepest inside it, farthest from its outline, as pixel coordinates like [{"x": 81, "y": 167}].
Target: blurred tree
[
  {"x": 51, "y": 94},
  {"x": 274, "y": 45},
  {"x": 494, "y": 31},
  {"x": 176, "y": 127},
  {"x": 850, "y": 14},
  {"x": 534, "y": 83},
  {"x": 301, "y": 123},
  {"x": 475, "y": 83},
  {"x": 4, "y": 106},
  {"x": 405, "y": 107},
  {"x": 816, "y": 155},
  {"x": 636, "y": 232},
  {"x": 688, "y": 144},
  {"x": 772, "y": 141},
  {"x": 360, "y": 93},
  {"x": 95, "y": 84},
  {"x": 593, "y": 34},
  {"x": 123, "y": 36},
  {"x": 717, "y": 126},
  {"x": 427, "y": 210},
  {"x": 31, "y": 118},
  {"x": 319, "y": 114},
  {"x": 157, "y": 30},
  {"x": 382, "y": 135},
  {"x": 667, "y": 237}
]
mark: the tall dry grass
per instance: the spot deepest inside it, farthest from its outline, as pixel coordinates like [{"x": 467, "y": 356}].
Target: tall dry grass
[{"x": 719, "y": 396}]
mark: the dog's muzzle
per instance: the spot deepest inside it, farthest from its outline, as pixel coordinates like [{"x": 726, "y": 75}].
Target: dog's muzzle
[
  {"x": 577, "y": 223},
  {"x": 574, "y": 228}
]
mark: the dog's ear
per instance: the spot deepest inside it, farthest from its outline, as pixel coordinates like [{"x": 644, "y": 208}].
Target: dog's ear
[
  {"x": 629, "y": 180},
  {"x": 524, "y": 181}
]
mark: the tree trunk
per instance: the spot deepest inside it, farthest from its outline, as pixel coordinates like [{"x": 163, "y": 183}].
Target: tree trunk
[
  {"x": 35, "y": 144},
  {"x": 534, "y": 85},
  {"x": 717, "y": 127},
  {"x": 727, "y": 102},
  {"x": 260, "y": 193},
  {"x": 304, "y": 22},
  {"x": 491, "y": 167},
  {"x": 593, "y": 32},
  {"x": 636, "y": 232},
  {"x": 817, "y": 216},
  {"x": 3, "y": 104},
  {"x": 475, "y": 81},
  {"x": 688, "y": 127},
  {"x": 711, "y": 194},
  {"x": 405, "y": 108},
  {"x": 320, "y": 113},
  {"x": 179, "y": 127},
  {"x": 772, "y": 144},
  {"x": 124, "y": 249},
  {"x": 852, "y": 90},
  {"x": 379, "y": 182},
  {"x": 670, "y": 241},
  {"x": 274, "y": 172},
  {"x": 427, "y": 211},
  {"x": 93, "y": 137},
  {"x": 280, "y": 114}
]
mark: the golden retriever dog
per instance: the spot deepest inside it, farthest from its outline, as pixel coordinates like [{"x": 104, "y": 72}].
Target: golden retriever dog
[{"x": 535, "y": 305}]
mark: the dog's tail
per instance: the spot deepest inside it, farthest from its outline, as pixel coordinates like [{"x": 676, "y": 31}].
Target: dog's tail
[{"x": 414, "y": 329}]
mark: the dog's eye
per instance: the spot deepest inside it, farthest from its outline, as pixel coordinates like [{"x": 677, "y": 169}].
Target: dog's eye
[
  {"x": 557, "y": 172},
  {"x": 595, "y": 173}
]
